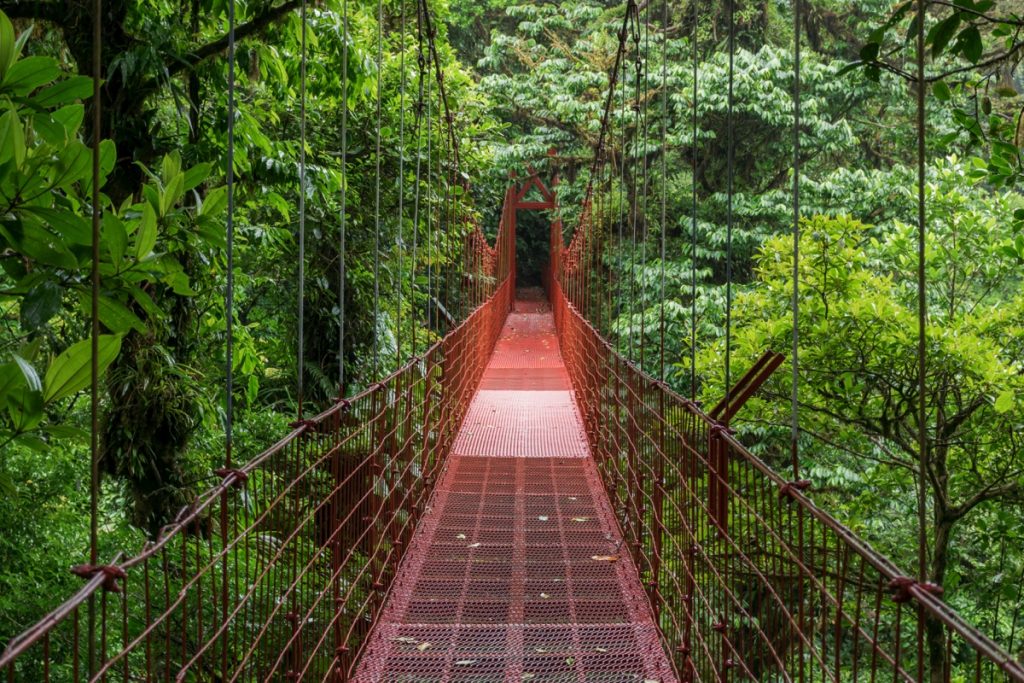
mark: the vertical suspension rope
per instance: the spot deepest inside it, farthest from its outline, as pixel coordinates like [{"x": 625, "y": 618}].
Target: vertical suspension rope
[
  {"x": 730, "y": 170},
  {"x": 94, "y": 363},
  {"x": 301, "y": 351},
  {"x": 634, "y": 200},
  {"x": 342, "y": 252},
  {"x": 664, "y": 184},
  {"x": 646, "y": 175},
  {"x": 622, "y": 197},
  {"x": 401, "y": 191},
  {"x": 422, "y": 65},
  {"x": 94, "y": 445},
  {"x": 794, "y": 398},
  {"x": 922, "y": 303},
  {"x": 376, "y": 201},
  {"x": 229, "y": 288},
  {"x": 693, "y": 215}
]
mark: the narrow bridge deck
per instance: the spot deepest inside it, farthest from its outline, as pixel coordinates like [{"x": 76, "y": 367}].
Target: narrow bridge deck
[{"x": 516, "y": 572}]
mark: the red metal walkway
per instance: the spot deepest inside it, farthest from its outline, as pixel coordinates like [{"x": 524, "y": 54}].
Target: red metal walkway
[{"x": 516, "y": 573}]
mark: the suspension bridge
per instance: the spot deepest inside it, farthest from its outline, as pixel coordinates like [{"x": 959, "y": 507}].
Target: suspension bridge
[{"x": 518, "y": 502}]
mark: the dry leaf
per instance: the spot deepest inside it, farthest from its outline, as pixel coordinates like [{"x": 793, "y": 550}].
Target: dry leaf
[
  {"x": 461, "y": 537},
  {"x": 405, "y": 639},
  {"x": 581, "y": 519},
  {"x": 540, "y": 650},
  {"x": 473, "y": 545},
  {"x": 422, "y": 647},
  {"x": 604, "y": 558},
  {"x": 543, "y": 518},
  {"x": 527, "y": 676},
  {"x": 651, "y": 680},
  {"x": 572, "y": 497},
  {"x": 601, "y": 649},
  {"x": 570, "y": 660},
  {"x": 465, "y": 662},
  {"x": 545, "y": 596}
]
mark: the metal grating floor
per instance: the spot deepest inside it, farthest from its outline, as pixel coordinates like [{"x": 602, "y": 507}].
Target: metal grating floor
[{"x": 515, "y": 573}]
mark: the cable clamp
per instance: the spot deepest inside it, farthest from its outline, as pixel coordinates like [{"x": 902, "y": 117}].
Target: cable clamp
[
  {"x": 240, "y": 476},
  {"x": 721, "y": 429},
  {"x": 901, "y": 587},
  {"x": 305, "y": 425},
  {"x": 791, "y": 487},
  {"x": 111, "y": 575}
]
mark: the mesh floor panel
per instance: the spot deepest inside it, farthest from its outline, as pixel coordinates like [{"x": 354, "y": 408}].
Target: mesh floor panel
[{"x": 516, "y": 573}]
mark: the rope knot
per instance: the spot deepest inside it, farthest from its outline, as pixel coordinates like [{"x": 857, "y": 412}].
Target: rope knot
[
  {"x": 902, "y": 585},
  {"x": 111, "y": 574},
  {"x": 240, "y": 476},
  {"x": 791, "y": 487}
]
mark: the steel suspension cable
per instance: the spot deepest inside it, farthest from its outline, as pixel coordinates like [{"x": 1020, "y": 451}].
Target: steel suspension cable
[
  {"x": 634, "y": 199},
  {"x": 342, "y": 251},
  {"x": 422, "y": 65},
  {"x": 94, "y": 334},
  {"x": 229, "y": 287},
  {"x": 401, "y": 190},
  {"x": 301, "y": 351},
  {"x": 730, "y": 163},
  {"x": 794, "y": 398},
  {"x": 922, "y": 303},
  {"x": 621, "y": 202},
  {"x": 922, "y": 340},
  {"x": 693, "y": 213},
  {"x": 664, "y": 184},
  {"x": 376, "y": 200},
  {"x": 645, "y": 117}
]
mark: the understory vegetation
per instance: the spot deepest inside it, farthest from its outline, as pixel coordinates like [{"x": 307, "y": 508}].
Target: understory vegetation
[{"x": 526, "y": 83}]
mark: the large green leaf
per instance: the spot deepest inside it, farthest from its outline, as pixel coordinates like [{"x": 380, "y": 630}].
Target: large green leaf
[
  {"x": 7, "y": 53},
  {"x": 69, "y": 225},
  {"x": 41, "y": 303},
  {"x": 64, "y": 92},
  {"x": 27, "y": 74},
  {"x": 71, "y": 371}
]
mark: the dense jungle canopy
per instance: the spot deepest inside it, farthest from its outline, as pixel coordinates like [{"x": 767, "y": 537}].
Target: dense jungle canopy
[{"x": 527, "y": 82}]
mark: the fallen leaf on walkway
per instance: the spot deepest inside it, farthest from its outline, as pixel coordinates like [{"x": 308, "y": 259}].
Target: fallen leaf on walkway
[
  {"x": 545, "y": 596},
  {"x": 461, "y": 537},
  {"x": 473, "y": 545},
  {"x": 543, "y": 518},
  {"x": 570, "y": 660},
  {"x": 581, "y": 519},
  {"x": 405, "y": 639},
  {"x": 527, "y": 676},
  {"x": 465, "y": 662},
  {"x": 423, "y": 647},
  {"x": 601, "y": 649},
  {"x": 604, "y": 558}
]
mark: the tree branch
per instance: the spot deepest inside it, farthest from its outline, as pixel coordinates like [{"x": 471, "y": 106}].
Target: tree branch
[{"x": 192, "y": 59}]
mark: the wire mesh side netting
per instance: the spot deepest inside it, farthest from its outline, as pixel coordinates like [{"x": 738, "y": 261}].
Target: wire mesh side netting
[{"x": 748, "y": 578}]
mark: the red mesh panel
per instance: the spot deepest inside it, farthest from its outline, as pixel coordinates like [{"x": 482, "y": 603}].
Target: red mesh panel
[
  {"x": 522, "y": 424},
  {"x": 517, "y": 571}
]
